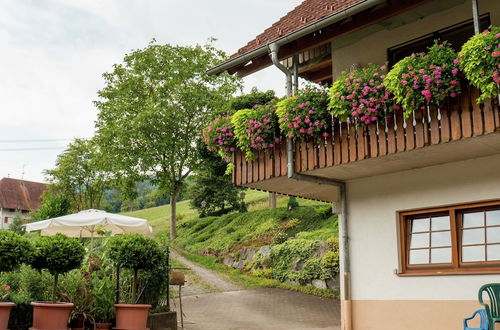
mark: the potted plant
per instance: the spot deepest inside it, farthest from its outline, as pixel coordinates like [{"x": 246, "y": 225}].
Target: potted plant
[
  {"x": 480, "y": 61},
  {"x": 305, "y": 114},
  {"x": 14, "y": 250},
  {"x": 134, "y": 252},
  {"x": 58, "y": 254},
  {"x": 103, "y": 311},
  {"x": 219, "y": 136}
]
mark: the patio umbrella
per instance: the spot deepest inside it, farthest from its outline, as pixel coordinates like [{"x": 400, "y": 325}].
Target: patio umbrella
[{"x": 86, "y": 223}]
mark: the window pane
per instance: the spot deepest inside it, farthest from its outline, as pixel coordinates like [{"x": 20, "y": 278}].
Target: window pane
[
  {"x": 473, "y": 236},
  {"x": 419, "y": 240},
  {"x": 475, "y": 219},
  {"x": 473, "y": 253},
  {"x": 420, "y": 225},
  {"x": 419, "y": 257},
  {"x": 439, "y": 256},
  {"x": 441, "y": 223},
  {"x": 493, "y": 234},
  {"x": 441, "y": 238},
  {"x": 493, "y": 252},
  {"x": 493, "y": 218}
]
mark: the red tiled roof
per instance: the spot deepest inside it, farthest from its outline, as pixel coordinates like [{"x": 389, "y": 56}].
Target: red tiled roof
[
  {"x": 307, "y": 13},
  {"x": 20, "y": 194}
]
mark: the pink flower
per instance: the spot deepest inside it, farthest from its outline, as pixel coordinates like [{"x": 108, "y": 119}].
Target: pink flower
[
  {"x": 427, "y": 94},
  {"x": 6, "y": 287},
  {"x": 456, "y": 61},
  {"x": 454, "y": 71},
  {"x": 404, "y": 82},
  {"x": 495, "y": 54},
  {"x": 232, "y": 149},
  {"x": 497, "y": 35},
  {"x": 453, "y": 95}
]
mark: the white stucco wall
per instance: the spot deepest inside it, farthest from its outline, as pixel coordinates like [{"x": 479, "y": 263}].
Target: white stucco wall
[
  {"x": 373, "y": 203},
  {"x": 10, "y": 215},
  {"x": 373, "y": 48}
]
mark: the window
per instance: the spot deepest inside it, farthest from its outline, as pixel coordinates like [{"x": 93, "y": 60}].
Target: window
[
  {"x": 454, "y": 239},
  {"x": 457, "y": 35}
]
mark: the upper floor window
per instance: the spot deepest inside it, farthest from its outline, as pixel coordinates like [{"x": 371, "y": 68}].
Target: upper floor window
[
  {"x": 457, "y": 35},
  {"x": 455, "y": 239}
]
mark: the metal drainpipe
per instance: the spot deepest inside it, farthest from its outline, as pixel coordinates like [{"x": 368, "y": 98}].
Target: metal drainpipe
[
  {"x": 345, "y": 260},
  {"x": 475, "y": 16}
]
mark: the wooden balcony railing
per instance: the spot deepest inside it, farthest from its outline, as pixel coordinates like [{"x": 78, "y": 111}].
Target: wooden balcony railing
[{"x": 461, "y": 118}]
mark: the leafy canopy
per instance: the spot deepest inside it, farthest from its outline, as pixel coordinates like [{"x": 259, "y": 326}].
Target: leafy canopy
[
  {"x": 14, "y": 250},
  {"x": 58, "y": 254},
  {"x": 134, "y": 251}
]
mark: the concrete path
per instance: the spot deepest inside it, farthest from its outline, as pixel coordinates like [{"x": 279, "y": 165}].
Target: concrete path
[
  {"x": 208, "y": 276},
  {"x": 238, "y": 309}
]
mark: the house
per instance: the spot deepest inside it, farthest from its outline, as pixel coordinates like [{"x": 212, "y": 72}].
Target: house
[
  {"x": 18, "y": 196},
  {"x": 418, "y": 203}
]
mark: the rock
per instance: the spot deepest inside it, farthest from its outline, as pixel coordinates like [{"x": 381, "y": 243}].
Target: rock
[
  {"x": 228, "y": 261},
  {"x": 247, "y": 253},
  {"x": 239, "y": 264},
  {"x": 332, "y": 283},
  {"x": 297, "y": 265},
  {"x": 292, "y": 282},
  {"x": 265, "y": 250},
  {"x": 320, "y": 284},
  {"x": 321, "y": 250}
]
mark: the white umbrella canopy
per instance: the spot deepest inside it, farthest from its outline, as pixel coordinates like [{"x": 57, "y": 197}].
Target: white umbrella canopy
[{"x": 86, "y": 224}]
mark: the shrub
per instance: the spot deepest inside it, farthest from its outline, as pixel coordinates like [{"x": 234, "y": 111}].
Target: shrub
[
  {"x": 280, "y": 237},
  {"x": 14, "y": 250},
  {"x": 292, "y": 223},
  {"x": 256, "y": 128},
  {"x": 134, "y": 251},
  {"x": 480, "y": 61},
  {"x": 219, "y": 136},
  {"x": 305, "y": 114},
  {"x": 360, "y": 96},
  {"x": 292, "y": 203},
  {"x": 425, "y": 78},
  {"x": 58, "y": 254}
]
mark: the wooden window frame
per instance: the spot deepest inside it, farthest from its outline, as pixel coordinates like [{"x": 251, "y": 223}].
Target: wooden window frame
[{"x": 456, "y": 267}]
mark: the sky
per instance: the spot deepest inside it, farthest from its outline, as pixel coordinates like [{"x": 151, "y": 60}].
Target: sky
[{"x": 53, "y": 53}]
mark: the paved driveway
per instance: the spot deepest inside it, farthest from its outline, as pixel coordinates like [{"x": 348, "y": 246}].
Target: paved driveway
[{"x": 260, "y": 309}]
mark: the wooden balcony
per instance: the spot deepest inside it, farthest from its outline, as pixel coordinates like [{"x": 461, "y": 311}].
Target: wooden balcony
[{"x": 459, "y": 130}]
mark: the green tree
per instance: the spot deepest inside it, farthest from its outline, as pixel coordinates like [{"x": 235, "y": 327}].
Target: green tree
[
  {"x": 17, "y": 225},
  {"x": 213, "y": 189},
  {"x": 152, "y": 109},
  {"x": 78, "y": 174},
  {"x": 54, "y": 204}
]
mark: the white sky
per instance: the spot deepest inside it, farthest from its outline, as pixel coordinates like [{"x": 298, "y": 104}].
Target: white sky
[{"x": 53, "y": 52}]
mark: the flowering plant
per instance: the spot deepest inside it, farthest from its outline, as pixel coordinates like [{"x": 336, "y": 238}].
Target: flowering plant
[
  {"x": 4, "y": 292},
  {"x": 256, "y": 128},
  {"x": 425, "y": 78},
  {"x": 360, "y": 96},
  {"x": 304, "y": 114},
  {"x": 218, "y": 135},
  {"x": 480, "y": 61}
]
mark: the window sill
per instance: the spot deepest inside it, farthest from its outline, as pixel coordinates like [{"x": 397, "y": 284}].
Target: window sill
[{"x": 449, "y": 272}]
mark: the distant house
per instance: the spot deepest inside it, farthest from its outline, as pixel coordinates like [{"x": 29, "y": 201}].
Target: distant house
[{"x": 18, "y": 195}]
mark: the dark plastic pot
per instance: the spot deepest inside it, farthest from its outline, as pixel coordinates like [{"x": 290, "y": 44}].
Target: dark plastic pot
[{"x": 50, "y": 316}]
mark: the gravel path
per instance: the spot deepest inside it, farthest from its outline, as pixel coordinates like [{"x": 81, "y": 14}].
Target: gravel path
[{"x": 208, "y": 276}]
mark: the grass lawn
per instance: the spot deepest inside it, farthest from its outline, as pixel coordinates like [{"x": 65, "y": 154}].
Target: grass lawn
[{"x": 159, "y": 216}]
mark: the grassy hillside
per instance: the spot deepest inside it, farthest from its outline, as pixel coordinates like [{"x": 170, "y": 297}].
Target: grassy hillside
[
  {"x": 230, "y": 232},
  {"x": 159, "y": 216}
]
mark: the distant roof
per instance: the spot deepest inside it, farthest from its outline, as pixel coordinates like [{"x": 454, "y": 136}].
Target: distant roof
[
  {"x": 307, "y": 13},
  {"x": 20, "y": 194}
]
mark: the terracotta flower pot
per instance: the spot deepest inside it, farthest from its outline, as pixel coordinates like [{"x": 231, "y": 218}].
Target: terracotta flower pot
[
  {"x": 102, "y": 326},
  {"x": 131, "y": 316},
  {"x": 50, "y": 316},
  {"x": 5, "y": 308}
]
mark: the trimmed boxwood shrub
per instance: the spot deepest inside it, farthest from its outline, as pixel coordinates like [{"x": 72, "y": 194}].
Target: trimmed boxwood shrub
[
  {"x": 14, "y": 250},
  {"x": 135, "y": 252},
  {"x": 58, "y": 254}
]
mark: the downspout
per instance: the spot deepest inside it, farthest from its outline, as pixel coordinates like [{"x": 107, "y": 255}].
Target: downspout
[
  {"x": 475, "y": 17},
  {"x": 342, "y": 211}
]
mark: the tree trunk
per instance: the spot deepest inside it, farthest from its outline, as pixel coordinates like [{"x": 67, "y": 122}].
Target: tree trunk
[
  {"x": 272, "y": 200},
  {"x": 173, "y": 212}
]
